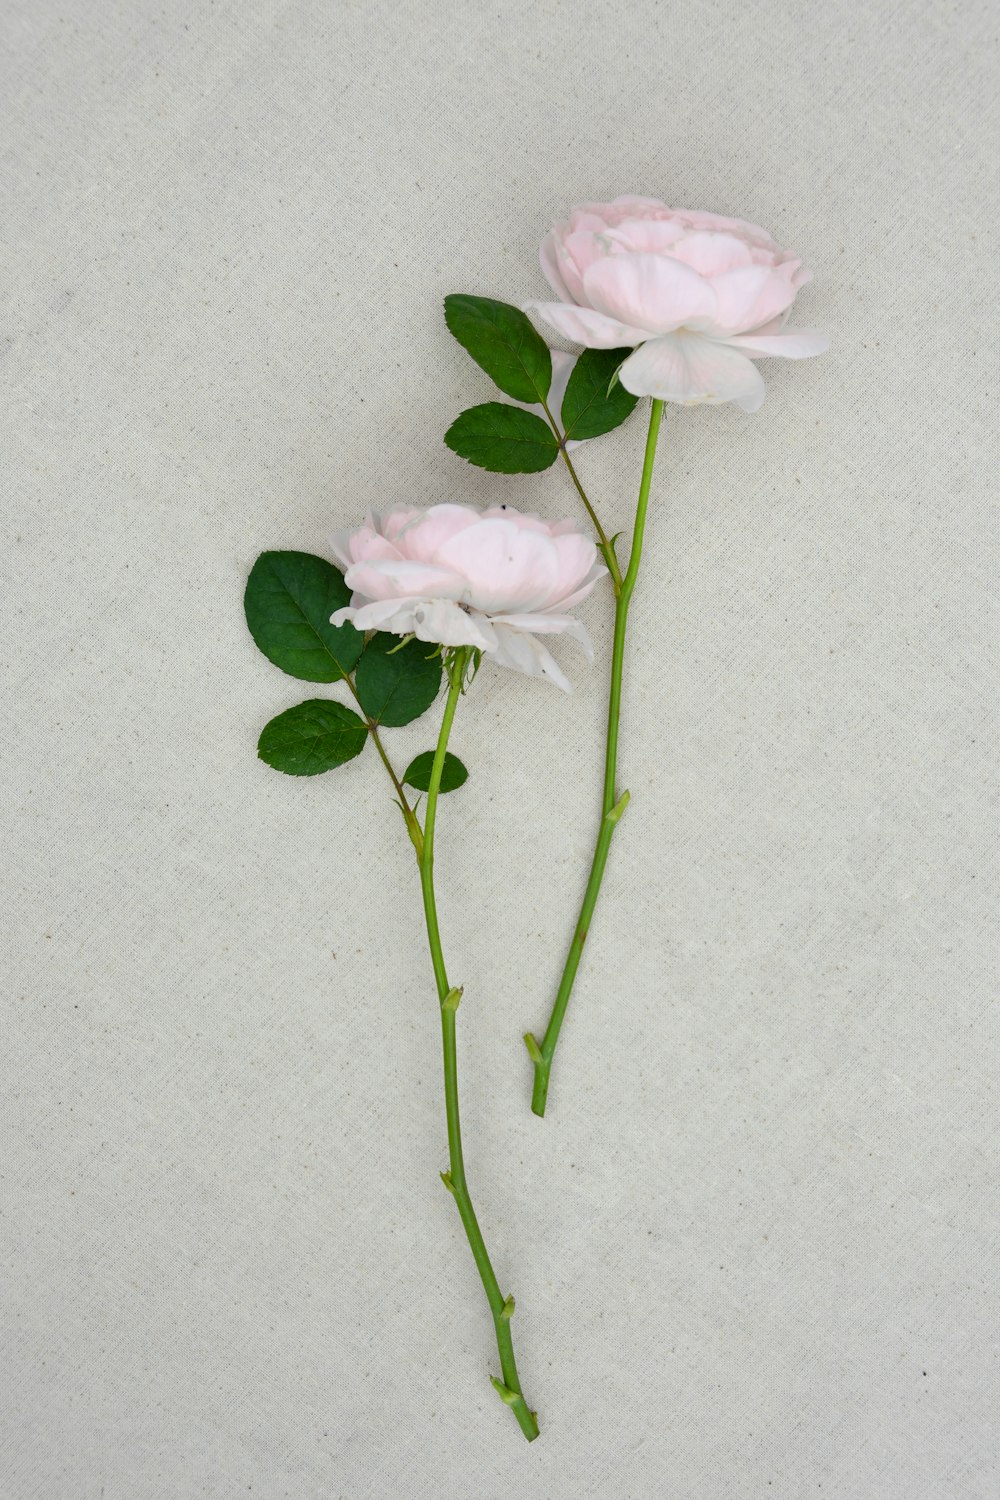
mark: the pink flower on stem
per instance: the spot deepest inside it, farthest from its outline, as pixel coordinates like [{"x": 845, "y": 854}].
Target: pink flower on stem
[
  {"x": 494, "y": 579},
  {"x": 697, "y": 296}
]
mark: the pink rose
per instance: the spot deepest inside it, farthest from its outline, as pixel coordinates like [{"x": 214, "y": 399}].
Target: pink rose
[
  {"x": 698, "y": 297},
  {"x": 494, "y": 579}
]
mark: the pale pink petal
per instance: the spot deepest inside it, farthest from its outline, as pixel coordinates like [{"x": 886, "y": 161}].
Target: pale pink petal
[
  {"x": 549, "y": 255},
  {"x": 522, "y": 652},
  {"x": 393, "y": 522},
  {"x": 578, "y": 561},
  {"x": 569, "y": 273},
  {"x": 447, "y": 624},
  {"x": 774, "y": 325},
  {"x": 585, "y": 589},
  {"x": 561, "y": 528},
  {"x": 595, "y": 216},
  {"x": 690, "y": 370},
  {"x": 403, "y": 579},
  {"x": 748, "y": 297},
  {"x": 424, "y": 534},
  {"x": 524, "y": 520},
  {"x": 653, "y": 235},
  {"x": 506, "y": 567},
  {"x": 550, "y": 625},
  {"x": 711, "y": 254},
  {"x": 584, "y": 326},
  {"x": 355, "y": 546},
  {"x": 700, "y": 219},
  {"x": 578, "y": 251},
  {"x": 379, "y": 614},
  {"x": 800, "y": 343},
  {"x": 634, "y": 205},
  {"x": 648, "y": 291}
]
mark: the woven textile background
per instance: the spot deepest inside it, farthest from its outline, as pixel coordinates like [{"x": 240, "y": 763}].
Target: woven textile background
[{"x": 754, "y": 1244}]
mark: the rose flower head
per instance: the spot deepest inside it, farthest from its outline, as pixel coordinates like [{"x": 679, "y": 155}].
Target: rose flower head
[
  {"x": 698, "y": 297},
  {"x": 458, "y": 576}
]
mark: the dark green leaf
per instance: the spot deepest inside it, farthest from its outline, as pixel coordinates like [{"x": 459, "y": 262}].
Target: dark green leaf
[
  {"x": 397, "y": 683},
  {"x": 418, "y": 772},
  {"x": 289, "y": 599},
  {"x": 503, "y": 439},
  {"x": 312, "y": 737},
  {"x": 503, "y": 343},
  {"x": 594, "y": 401}
]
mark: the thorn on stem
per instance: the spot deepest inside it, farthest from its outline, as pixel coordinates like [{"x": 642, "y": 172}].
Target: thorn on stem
[
  {"x": 619, "y": 807},
  {"x": 507, "y": 1396}
]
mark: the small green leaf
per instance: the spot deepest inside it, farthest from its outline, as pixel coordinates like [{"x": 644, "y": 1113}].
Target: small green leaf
[
  {"x": 397, "y": 681},
  {"x": 314, "y": 736},
  {"x": 595, "y": 402},
  {"x": 503, "y": 343},
  {"x": 289, "y": 599},
  {"x": 418, "y": 772},
  {"x": 504, "y": 439}
]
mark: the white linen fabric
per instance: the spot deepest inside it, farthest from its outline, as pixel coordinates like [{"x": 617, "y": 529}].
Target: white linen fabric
[{"x": 754, "y": 1243}]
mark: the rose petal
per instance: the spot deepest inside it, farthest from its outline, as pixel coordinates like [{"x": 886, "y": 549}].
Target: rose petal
[
  {"x": 441, "y": 621},
  {"x": 641, "y": 235},
  {"x": 585, "y": 589},
  {"x": 584, "y": 326},
  {"x": 711, "y": 254},
  {"x": 425, "y": 533},
  {"x": 578, "y": 560},
  {"x": 648, "y": 291},
  {"x": 395, "y": 520},
  {"x": 402, "y": 579},
  {"x": 800, "y": 343},
  {"x": 700, "y": 219},
  {"x": 549, "y": 255},
  {"x": 375, "y": 614},
  {"x": 506, "y": 568},
  {"x": 525, "y": 654},
  {"x": 357, "y": 546},
  {"x": 748, "y": 297},
  {"x": 690, "y": 369},
  {"x": 550, "y": 625}
]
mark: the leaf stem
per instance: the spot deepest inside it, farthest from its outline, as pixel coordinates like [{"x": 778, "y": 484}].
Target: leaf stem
[
  {"x": 612, "y": 805},
  {"x": 605, "y": 543},
  {"x": 412, "y": 822},
  {"x": 509, "y": 1388}
]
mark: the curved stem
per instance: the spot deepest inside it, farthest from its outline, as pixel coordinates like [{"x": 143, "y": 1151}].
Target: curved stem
[
  {"x": 612, "y": 806},
  {"x": 509, "y": 1388},
  {"x": 604, "y": 541}
]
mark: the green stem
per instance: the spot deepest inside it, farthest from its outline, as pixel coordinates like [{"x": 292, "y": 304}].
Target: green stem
[
  {"x": 509, "y": 1388},
  {"x": 612, "y": 805}
]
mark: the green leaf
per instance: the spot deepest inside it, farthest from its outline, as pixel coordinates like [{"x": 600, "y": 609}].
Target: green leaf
[
  {"x": 314, "y": 736},
  {"x": 595, "y": 402},
  {"x": 395, "y": 683},
  {"x": 504, "y": 439},
  {"x": 418, "y": 772},
  {"x": 289, "y": 599},
  {"x": 503, "y": 343}
]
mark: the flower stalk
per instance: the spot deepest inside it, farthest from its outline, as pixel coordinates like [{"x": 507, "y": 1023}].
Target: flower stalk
[
  {"x": 612, "y": 805},
  {"x": 457, "y": 664}
]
